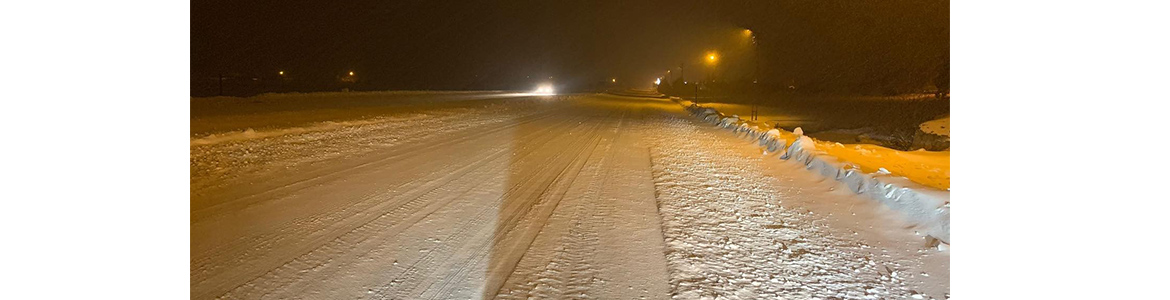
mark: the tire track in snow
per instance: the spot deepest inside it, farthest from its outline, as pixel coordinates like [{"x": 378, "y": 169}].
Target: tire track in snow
[
  {"x": 406, "y": 284},
  {"x": 366, "y": 249},
  {"x": 321, "y": 177},
  {"x": 384, "y": 233},
  {"x": 482, "y": 251},
  {"x": 377, "y": 198},
  {"x": 544, "y": 217},
  {"x": 306, "y": 149},
  {"x": 533, "y": 217},
  {"x": 569, "y": 273},
  {"x": 508, "y": 239},
  {"x": 381, "y": 201}
]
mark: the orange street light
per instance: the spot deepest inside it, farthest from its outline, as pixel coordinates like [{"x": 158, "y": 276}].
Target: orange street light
[{"x": 350, "y": 73}]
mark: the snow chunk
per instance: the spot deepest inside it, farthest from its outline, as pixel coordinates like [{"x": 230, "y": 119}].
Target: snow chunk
[
  {"x": 802, "y": 148},
  {"x": 772, "y": 141},
  {"x": 729, "y": 122}
]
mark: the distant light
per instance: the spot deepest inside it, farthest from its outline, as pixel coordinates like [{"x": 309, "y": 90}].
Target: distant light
[
  {"x": 350, "y": 73},
  {"x": 613, "y": 80},
  {"x": 281, "y": 72},
  {"x": 544, "y": 90},
  {"x": 712, "y": 57},
  {"x": 657, "y": 81}
]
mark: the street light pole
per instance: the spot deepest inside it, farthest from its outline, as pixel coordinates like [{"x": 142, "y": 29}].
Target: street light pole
[
  {"x": 696, "y": 93},
  {"x": 756, "y": 78},
  {"x": 711, "y": 61}
]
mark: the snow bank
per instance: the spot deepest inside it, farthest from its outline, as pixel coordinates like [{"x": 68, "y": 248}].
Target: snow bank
[
  {"x": 922, "y": 205},
  {"x": 772, "y": 141},
  {"x": 729, "y": 122},
  {"x": 927, "y": 207}
]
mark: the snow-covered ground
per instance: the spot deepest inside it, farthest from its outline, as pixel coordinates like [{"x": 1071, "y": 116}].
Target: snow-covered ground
[
  {"x": 941, "y": 126},
  {"x": 513, "y": 196}
]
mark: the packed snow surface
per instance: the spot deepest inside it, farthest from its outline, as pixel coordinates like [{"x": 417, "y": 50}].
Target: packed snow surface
[
  {"x": 940, "y": 126},
  {"x": 470, "y": 196}
]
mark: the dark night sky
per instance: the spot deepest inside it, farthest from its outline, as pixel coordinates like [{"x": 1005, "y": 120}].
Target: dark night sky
[{"x": 499, "y": 44}]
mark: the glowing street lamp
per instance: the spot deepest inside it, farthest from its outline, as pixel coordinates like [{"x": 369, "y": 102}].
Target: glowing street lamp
[
  {"x": 657, "y": 81},
  {"x": 281, "y": 73},
  {"x": 350, "y": 73},
  {"x": 748, "y": 33},
  {"x": 712, "y": 58},
  {"x": 613, "y": 80}
]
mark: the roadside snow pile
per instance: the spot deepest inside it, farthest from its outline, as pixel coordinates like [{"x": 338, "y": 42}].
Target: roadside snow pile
[
  {"x": 802, "y": 149},
  {"x": 772, "y": 141},
  {"x": 928, "y": 207},
  {"x": 728, "y": 122}
]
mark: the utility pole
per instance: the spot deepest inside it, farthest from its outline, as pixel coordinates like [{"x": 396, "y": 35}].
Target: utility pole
[
  {"x": 696, "y": 93},
  {"x": 683, "y": 74},
  {"x": 756, "y": 78}
]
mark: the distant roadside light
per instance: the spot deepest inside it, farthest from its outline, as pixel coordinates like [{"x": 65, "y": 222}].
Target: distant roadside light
[
  {"x": 613, "y": 80},
  {"x": 657, "y": 81},
  {"x": 350, "y": 73},
  {"x": 544, "y": 90},
  {"x": 281, "y": 72}
]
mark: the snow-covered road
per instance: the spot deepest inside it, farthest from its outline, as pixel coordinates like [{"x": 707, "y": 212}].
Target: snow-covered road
[{"x": 584, "y": 196}]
